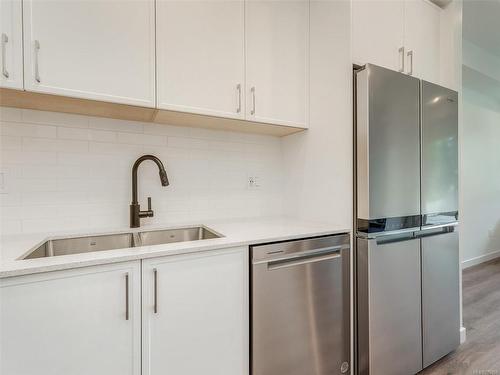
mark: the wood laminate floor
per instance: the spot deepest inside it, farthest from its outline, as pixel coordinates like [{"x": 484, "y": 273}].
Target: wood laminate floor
[{"x": 480, "y": 354}]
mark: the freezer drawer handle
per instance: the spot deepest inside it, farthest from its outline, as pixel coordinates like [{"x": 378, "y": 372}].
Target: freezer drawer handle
[
  {"x": 435, "y": 231},
  {"x": 304, "y": 259},
  {"x": 396, "y": 238}
]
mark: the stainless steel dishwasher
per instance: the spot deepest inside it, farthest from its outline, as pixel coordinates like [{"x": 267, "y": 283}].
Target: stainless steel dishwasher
[{"x": 300, "y": 310}]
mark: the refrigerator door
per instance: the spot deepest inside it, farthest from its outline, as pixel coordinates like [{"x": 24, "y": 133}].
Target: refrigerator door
[
  {"x": 440, "y": 294},
  {"x": 389, "y": 306},
  {"x": 439, "y": 154},
  {"x": 388, "y": 146}
]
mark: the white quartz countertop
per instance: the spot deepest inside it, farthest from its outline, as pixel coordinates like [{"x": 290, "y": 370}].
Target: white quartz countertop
[{"x": 235, "y": 232}]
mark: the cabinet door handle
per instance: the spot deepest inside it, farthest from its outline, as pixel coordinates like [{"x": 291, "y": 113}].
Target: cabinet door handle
[
  {"x": 410, "y": 58},
  {"x": 238, "y": 90},
  {"x": 252, "y": 90},
  {"x": 5, "y": 40},
  {"x": 402, "y": 59},
  {"x": 155, "y": 291},
  {"x": 37, "y": 72},
  {"x": 127, "y": 302}
]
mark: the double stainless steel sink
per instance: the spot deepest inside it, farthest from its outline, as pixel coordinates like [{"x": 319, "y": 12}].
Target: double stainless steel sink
[{"x": 86, "y": 244}]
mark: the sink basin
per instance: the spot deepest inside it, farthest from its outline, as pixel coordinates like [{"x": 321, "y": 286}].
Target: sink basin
[
  {"x": 158, "y": 237},
  {"x": 78, "y": 245},
  {"x": 87, "y": 244}
]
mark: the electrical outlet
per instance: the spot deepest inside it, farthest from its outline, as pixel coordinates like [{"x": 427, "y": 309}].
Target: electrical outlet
[{"x": 253, "y": 182}]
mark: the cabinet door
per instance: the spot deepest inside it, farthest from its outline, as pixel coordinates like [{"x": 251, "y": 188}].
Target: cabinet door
[
  {"x": 422, "y": 40},
  {"x": 101, "y": 50},
  {"x": 11, "y": 44},
  {"x": 195, "y": 314},
  {"x": 277, "y": 56},
  {"x": 72, "y": 322},
  {"x": 200, "y": 55},
  {"x": 378, "y": 33}
]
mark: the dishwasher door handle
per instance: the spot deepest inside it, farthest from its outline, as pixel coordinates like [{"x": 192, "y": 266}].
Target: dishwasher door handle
[{"x": 310, "y": 257}]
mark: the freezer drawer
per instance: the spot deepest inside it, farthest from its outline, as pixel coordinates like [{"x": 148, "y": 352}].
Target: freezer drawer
[
  {"x": 389, "y": 306},
  {"x": 301, "y": 308},
  {"x": 388, "y": 144},
  {"x": 439, "y": 154},
  {"x": 440, "y": 295}
]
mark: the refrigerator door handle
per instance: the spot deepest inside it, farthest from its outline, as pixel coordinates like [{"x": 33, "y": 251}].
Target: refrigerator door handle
[
  {"x": 395, "y": 238},
  {"x": 436, "y": 230}
]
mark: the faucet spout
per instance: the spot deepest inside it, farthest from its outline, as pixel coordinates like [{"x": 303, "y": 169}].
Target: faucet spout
[{"x": 135, "y": 210}]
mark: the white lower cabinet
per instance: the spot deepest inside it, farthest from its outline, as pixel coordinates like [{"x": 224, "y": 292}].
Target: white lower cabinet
[
  {"x": 74, "y": 322},
  {"x": 87, "y": 321},
  {"x": 195, "y": 314}
]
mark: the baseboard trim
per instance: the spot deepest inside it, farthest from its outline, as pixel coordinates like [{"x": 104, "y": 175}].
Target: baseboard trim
[
  {"x": 480, "y": 259},
  {"x": 463, "y": 334}
]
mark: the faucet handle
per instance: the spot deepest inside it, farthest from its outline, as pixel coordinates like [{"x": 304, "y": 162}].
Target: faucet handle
[{"x": 149, "y": 204}]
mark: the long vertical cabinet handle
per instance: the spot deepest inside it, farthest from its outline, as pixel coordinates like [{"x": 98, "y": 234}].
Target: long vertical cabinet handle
[
  {"x": 410, "y": 58},
  {"x": 155, "y": 291},
  {"x": 127, "y": 292},
  {"x": 238, "y": 90},
  {"x": 402, "y": 59},
  {"x": 37, "y": 71},
  {"x": 5, "y": 40},
  {"x": 252, "y": 90}
]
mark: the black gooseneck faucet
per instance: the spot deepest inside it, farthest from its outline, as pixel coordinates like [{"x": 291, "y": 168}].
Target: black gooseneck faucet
[{"x": 135, "y": 208}]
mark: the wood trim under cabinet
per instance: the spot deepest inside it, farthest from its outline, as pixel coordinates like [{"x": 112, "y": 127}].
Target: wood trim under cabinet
[{"x": 56, "y": 103}]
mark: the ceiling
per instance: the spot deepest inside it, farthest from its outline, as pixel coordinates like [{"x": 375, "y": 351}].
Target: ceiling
[{"x": 481, "y": 24}]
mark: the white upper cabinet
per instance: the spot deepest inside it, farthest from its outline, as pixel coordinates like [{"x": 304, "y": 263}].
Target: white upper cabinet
[
  {"x": 195, "y": 314},
  {"x": 422, "y": 40},
  {"x": 378, "y": 33},
  {"x": 277, "y": 61},
  {"x": 83, "y": 321},
  {"x": 103, "y": 50},
  {"x": 200, "y": 56},
  {"x": 11, "y": 32},
  {"x": 400, "y": 35}
]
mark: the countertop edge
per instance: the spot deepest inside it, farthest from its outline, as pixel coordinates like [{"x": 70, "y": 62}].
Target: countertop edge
[{"x": 149, "y": 252}]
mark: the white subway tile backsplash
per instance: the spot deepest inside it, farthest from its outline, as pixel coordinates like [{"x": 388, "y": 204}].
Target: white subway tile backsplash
[
  {"x": 114, "y": 148},
  {"x": 72, "y": 146},
  {"x": 58, "y": 145},
  {"x": 169, "y": 130},
  {"x": 10, "y": 114},
  {"x": 102, "y": 136},
  {"x": 55, "y": 118},
  {"x": 101, "y": 123},
  {"x": 8, "y": 142},
  {"x": 190, "y": 143},
  {"x": 11, "y": 227},
  {"x": 37, "y": 184},
  {"x": 73, "y": 133},
  {"x": 39, "y": 144},
  {"x": 28, "y": 157},
  {"x": 10, "y": 199},
  {"x": 142, "y": 139},
  {"x": 70, "y": 172},
  {"x": 28, "y": 130},
  {"x": 54, "y": 224}
]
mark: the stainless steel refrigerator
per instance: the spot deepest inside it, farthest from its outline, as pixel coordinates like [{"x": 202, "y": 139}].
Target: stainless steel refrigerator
[{"x": 406, "y": 202}]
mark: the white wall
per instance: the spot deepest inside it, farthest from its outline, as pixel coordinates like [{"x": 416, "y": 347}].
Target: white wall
[
  {"x": 318, "y": 174},
  {"x": 480, "y": 157},
  {"x": 480, "y": 223},
  {"x": 67, "y": 172}
]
